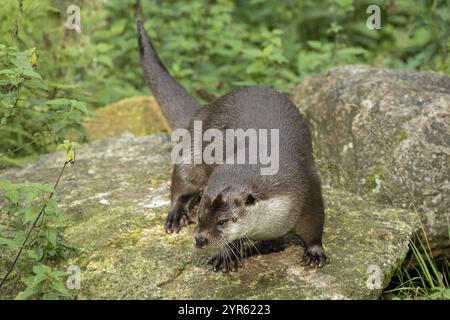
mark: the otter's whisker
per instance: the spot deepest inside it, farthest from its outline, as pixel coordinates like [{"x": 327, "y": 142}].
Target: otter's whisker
[
  {"x": 234, "y": 252},
  {"x": 252, "y": 243},
  {"x": 226, "y": 256}
]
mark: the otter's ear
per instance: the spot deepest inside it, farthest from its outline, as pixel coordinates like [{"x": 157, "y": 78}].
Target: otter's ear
[
  {"x": 250, "y": 200},
  {"x": 217, "y": 203}
]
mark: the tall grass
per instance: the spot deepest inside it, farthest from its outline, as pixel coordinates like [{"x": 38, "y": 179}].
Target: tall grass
[{"x": 426, "y": 278}]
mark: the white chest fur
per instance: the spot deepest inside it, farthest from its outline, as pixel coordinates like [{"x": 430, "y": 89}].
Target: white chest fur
[{"x": 268, "y": 219}]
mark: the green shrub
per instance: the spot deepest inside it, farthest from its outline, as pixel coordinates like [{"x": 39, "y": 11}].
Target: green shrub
[
  {"x": 216, "y": 46},
  {"x": 34, "y": 117},
  {"x": 21, "y": 221}
]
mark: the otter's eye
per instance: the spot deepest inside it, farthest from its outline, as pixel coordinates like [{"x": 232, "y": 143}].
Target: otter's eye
[{"x": 222, "y": 222}]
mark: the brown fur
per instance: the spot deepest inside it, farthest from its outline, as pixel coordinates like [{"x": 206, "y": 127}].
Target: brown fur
[{"x": 237, "y": 201}]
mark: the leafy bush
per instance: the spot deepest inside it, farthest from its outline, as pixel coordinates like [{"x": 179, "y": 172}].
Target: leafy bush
[
  {"x": 216, "y": 46},
  {"x": 46, "y": 247},
  {"x": 33, "y": 116}
]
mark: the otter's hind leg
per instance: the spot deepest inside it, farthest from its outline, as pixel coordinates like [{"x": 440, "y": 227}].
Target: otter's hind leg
[
  {"x": 310, "y": 229},
  {"x": 184, "y": 193}
]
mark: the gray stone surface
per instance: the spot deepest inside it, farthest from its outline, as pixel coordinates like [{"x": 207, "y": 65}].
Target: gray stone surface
[{"x": 384, "y": 134}]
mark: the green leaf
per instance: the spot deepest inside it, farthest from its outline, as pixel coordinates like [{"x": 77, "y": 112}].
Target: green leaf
[
  {"x": 51, "y": 205},
  {"x": 27, "y": 293},
  {"x": 118, "y": 27},
  {"x": 37, "y": 279},
  {"x": 30, "y": 214},
  {"x": 41, "y": 269},
  {"x": 11, "y": 244},
  {"x": 59, "y": 274},
  {"x": 255, "y": 53},
  {"x": 70, "y": 155},
  {"x": 446, "y": 293},
  {"x": 315, "y": 44},
  {"x": 30, "y": 196},
  {"x": 59, "y": 287},
  {"x": 436, "y": 295},
  {"x": 32, "y": 255},
  {"x": 35, "y": 254},
  {"x": 256, "y": 67},
  {"x": 7, "y": 71},
  {"x": 267, "y": 51},
  {"x": 104, "y": 47},
  {"x": 32, "y": 56},
  {"x": 81, "y": 106},
  {"x": 51, "y": 235},
  {"x": 31, "y": 74},
  {"x": 105, "y": 60},
  {"x": 50, "y": 296},
  {"x": 60, "y": 101}
]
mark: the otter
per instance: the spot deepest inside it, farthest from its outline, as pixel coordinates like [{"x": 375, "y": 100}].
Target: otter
[{"x": 236, "y": 204}]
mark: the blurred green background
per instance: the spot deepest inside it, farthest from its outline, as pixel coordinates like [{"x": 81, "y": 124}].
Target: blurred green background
[{"x": 210, "y": 46}]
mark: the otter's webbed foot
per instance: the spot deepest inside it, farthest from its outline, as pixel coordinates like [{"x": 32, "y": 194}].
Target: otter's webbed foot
[
  {"x": 224, "y": 264},
  {"x": 178, "y": 216},
  {"x": 176, "y": 220},
  {"x": 314, "y": 257},
  {"x": 227, "y": 260}
]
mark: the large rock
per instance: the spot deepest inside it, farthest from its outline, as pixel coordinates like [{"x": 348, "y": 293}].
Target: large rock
[
  {"x": 116, "y": 196},
  {"x": 138, "y": 115},
  {"x": 385, "y": 133}
]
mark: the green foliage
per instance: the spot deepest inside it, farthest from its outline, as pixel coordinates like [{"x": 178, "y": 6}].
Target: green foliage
[
  {"x": 70, "y": 147},
  {"x": 46, "y": 245},
  {"x": 216, "y": 46},
  {"x": 33, "y": 115},
  {"x": 45, "y": 283},
  {"x": 211, "y": 47}
]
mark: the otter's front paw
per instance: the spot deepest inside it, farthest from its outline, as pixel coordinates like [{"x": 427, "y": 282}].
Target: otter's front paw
[
  {"x": 225, "y": 263},
  {"x": 176, "y": 220},
  {"x": 314, "y": 257}
]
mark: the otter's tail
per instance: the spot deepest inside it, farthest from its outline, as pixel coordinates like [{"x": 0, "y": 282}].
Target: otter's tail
[{"x": 177, "y": 105}]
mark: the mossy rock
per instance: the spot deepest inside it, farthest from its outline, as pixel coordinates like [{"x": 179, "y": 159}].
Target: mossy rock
[
  {"x": 139, "y": 115},
  {"x": 117, "y": 196}
]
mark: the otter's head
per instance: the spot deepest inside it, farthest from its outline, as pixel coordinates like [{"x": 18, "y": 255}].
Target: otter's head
[{"x": 219, "y": 218}]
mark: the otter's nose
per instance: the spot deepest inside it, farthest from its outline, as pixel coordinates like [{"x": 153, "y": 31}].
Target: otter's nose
[{"x": 200, "y": 241}]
